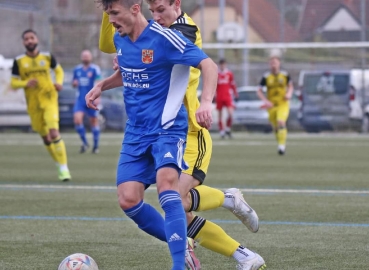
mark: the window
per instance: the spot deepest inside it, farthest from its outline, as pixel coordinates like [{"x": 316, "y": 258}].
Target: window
[
  {"x": 62, "y": 3},
  {"x": 327, "y": 83}
]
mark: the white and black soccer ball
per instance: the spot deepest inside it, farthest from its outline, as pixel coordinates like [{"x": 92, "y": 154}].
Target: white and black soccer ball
[{"x": 78, "y": 261}]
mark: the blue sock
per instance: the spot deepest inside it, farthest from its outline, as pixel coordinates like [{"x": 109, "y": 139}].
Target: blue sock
[
  {"x": 82, "y": 133},
  {"x": 148, "y": 219},
  {"x": 175, "y": 226},
  {"x": 96, "y": 135}
]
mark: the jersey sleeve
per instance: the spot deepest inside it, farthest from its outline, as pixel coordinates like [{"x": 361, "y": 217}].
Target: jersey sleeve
[
  {"x": 263, "y": 82},
  {"x": 180, "y": 50},
  {"x": 188, "y": 31},
  {"x": 53, "y": 62},
  {"x": 15, "y": 81},
  {"x": 288, "y": 78},
  {"x": 107, "y": 31},
  {"x": 15, "y": 69},
  {"x": 97, "y": 73}
]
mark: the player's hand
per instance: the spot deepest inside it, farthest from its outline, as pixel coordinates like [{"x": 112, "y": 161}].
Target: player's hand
[
  {"x": 203, "y": 115},
  {"x": 97, "y": 101},
  {"x": 115, "y": 63},
  {"x": 267, "y": 105},
  {"x": 288, "y": 96},
  {"x": 75, "y": 83},
  {"x": 92, "y": 96},
  {"x": 58, "y": 87},
  {"x": 32, "y": 83}
]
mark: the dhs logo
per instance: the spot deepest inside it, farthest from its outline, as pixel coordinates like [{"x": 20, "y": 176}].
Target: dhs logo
[{"x": 137, "y": 75}]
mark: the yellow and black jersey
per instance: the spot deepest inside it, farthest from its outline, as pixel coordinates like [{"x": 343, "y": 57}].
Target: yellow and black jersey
[
  {"x": 26, "y": 68},
  {"x": 107, "y": 31},
  {"x": 276, "y": 85},
  {"x": 189, "y": 29}
]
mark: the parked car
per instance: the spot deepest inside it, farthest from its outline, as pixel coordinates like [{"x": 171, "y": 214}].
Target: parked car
[
  {"x": 294, "y": 118},
  {"x": 248, "y": 111},
  {"x": 330, "y": 100},
  {"x": 112, "y": 111},
  {"x": 13, "y": 106}
]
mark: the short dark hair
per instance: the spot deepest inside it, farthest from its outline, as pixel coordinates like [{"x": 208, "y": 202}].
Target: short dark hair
[
  {"x": 127, "y": 3},
  {"x": 171, "y": 2},
  {"x": 28, "y": 31},
  {"x": 222, "y": 61}
]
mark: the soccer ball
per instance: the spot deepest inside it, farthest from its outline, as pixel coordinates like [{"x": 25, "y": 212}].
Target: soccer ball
[{"x": 78, "y": 261}]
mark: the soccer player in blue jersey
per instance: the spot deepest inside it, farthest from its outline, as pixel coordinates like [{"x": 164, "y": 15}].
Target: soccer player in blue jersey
[
  {"x": 84, "y": 77},
  {"x": 154, "y": 63}
]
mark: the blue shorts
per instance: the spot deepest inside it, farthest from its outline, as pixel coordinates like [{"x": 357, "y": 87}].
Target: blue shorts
[
  {"x": 80, "y": 106},
  {"x": 139, "y": 162}
]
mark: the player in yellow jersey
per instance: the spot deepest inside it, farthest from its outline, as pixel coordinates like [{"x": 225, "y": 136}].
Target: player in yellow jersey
[
  {"x": 195, "y": 196},
  {"x": 279, "y": 91},
  {"x": 31, "y": 71}
]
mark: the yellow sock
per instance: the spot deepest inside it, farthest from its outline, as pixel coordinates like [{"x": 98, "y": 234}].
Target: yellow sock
[
  {"x": 211, "y": 236},
  {"x": 60, "y": 151},
  {"x": 51, "y": 149},
  {"x": 205, "y": 198},
  {"x": 282, "y": 136}
]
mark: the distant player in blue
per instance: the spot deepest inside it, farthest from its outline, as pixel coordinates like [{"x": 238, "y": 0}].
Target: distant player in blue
[
  {"x": 84, "y": 77},
  {"x": 154, "y": 63}
]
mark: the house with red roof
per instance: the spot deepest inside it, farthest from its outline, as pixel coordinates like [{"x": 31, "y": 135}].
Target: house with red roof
[
  {"x": 263, "y": 21},
  {"x": 332, "y": 20}
]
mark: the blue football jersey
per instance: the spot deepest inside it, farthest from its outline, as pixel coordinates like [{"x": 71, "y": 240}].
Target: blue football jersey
[
  {"x": 155, "y": 71},
  {"x": 86, "y": 79}
]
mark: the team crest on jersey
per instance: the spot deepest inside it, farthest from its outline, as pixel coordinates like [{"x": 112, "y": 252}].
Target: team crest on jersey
[
  {"x": 147, "y": 56},
  {"x": 89, "y": 74},
  {"x": 42, "y": 63}
]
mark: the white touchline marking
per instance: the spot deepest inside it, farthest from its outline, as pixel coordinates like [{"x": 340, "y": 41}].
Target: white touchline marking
[
  {"x": 12, "y": 142},
  {"x": 250, "y": 190}
]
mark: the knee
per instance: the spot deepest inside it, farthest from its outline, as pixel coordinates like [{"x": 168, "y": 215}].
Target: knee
[
  {"x": 186, "y": 202},
  {"x": 167, "y": 179},
  {"x": 94, "y": 122},
  {"x": 127, "y": 201},
  {"x": 47, "y": 140},
  {"x": 281, "y": 125},
  {"x": 189, "y": 217},
  {"x": 78, "y": 119},
  {"x": 54, "y": 133}
]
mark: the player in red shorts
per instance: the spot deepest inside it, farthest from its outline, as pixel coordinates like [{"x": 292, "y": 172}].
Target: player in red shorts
[{"x": 224, "y": 97}]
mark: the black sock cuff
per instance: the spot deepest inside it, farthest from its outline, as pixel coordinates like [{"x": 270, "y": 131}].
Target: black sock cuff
[
  {"x": 57, "y": 140},
  {"x": 195, "y": 227},
  {"x": 195, "y": 200}
]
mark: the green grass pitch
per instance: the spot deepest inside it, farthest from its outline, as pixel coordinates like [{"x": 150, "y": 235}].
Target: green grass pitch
[{"x": 313, "y": 204}]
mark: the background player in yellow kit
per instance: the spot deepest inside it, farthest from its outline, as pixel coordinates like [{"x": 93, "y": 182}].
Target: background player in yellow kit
[
  {"x": 279, "y": 91},
  {"x": 31, "y": 71},
  {"x": 198, "y": 153}
]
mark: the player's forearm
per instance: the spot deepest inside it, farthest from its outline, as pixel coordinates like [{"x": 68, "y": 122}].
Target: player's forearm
[
  {"x": 16, "y": 83},
  {"x": 59, "y": 74},
  {"x": 113, "y": 81},
  {"x": 106, "y": 43},
  {"x": 261, "y": 95},
  {"x": 210, "y": 77},
  {"x": 290, "y": 89}
]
